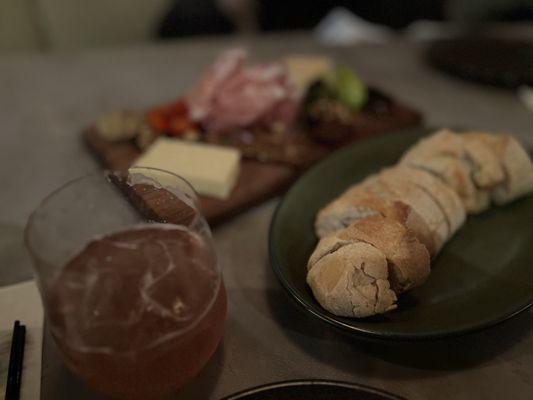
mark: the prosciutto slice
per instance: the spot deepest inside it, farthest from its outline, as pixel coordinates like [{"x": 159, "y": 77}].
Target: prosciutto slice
[
  {"x": 230, "y": 97},
  {"x": 200, "y": 98}
]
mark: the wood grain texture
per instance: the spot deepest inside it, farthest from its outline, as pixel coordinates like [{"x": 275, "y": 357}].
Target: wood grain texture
[
  {"x": 257, "y": 181},
  {"x": 261, "y": 180}
]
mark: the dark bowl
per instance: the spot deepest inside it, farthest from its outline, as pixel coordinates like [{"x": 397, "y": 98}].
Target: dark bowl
[
  {"x": 488, "y": 60},
  {"x": 312, "y": 390}
]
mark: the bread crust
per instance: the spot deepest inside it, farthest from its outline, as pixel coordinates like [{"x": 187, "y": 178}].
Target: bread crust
[
  {"x": 443, "y": 195},
  {"x": 352, "y": 281},
  {"x": 483, "y": 163},
  {"x": 409, "y": 260},
  {"x": 358, "y": 203},
  {"x": 516, "y": 166},
  {"x": 456, "y": 173},
  {"x": 424, "y": 204}
]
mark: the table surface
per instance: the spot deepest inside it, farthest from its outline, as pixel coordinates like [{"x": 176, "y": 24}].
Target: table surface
[{"x": 46, "y": 99}]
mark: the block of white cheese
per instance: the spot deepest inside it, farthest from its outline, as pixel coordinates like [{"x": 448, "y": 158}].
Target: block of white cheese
[{"x": 211, "y": 170}]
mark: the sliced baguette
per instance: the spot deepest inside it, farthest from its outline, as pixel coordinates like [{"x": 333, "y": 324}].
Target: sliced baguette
[
  {"x": 516, "y": 166},
  {"x": 488, "y": 171},
  {"x": 327, "y": 245},
  {"x": 424, "y": 219},
  {"x": 424, "y": 205},
  {"x": 442, "y": 142},
  {"x": 446, "y": 198},
  {"x": 483, "y": 164},
  {"x": 352, "y": 280},
  {"x": 358, "y": 203},
  {"x": 408, "y": 259},
  {"x": 359, "y": 270},
  {"x": 457, "y": 174},
  {"x": 340, "y": 213}
]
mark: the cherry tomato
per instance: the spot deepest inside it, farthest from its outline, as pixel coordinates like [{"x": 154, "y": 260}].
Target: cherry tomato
[
  {"x": 158, "y": 121},
  {"x": 172, "y": 118},
  {"x": 179, "y": 125}
]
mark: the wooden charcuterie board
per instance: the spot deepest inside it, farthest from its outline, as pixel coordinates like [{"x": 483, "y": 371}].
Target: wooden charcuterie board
[{"x": 258, "y": 181}]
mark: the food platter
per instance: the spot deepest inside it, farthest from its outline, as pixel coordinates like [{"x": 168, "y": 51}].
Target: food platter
[
  {"x": 481, "y": 277},
  {"x": 276, "y": 145}
]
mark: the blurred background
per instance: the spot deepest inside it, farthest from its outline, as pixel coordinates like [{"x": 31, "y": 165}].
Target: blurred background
[{"x": 66, "y": 25}]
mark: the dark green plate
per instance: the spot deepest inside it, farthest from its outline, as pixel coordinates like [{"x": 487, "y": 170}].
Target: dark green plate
[{"x": 483, "y": 276}]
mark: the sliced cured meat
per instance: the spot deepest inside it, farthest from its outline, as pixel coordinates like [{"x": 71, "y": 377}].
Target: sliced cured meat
[
  {"x": 200, "y": 98},
  {"x": 283, "y": 111},
  {"x": 248, "y": 97},
  {"x": 230, "y": 97}
]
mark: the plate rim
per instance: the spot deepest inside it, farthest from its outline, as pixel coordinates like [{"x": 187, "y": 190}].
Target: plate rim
[
  {"x": 310, "y": 382},
  {"x": 359, "y": 331}
]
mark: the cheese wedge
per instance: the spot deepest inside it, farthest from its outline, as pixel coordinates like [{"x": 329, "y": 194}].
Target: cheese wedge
[{"x": 211, "y": 170}]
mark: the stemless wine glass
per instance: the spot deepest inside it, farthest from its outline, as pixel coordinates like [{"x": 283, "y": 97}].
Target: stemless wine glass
[{"x": 132, "y": 291}]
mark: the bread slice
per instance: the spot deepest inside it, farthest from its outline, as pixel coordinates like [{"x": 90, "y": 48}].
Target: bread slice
[
  {"x": 358, "y": 203},
  {"x": 487, "y": 171},
  {"x": 424, "y": 205},
  {"x": 425, "y": 219},
  {"x": 516, "y": 165},
  {"x": 458, "y": 175},
  {"x": 446, "y": 198},
  {"x": 327, "y": 245},
  {"x": 351, "y": 281},
  {"x": 442, "y": 142},
  {"x": 408, "y": 259},
  {"x": 484, "y": 166},
  {"x": 340, "y": 213}
]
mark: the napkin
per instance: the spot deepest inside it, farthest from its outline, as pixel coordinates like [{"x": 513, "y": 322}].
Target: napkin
[
  {"x": 22, "y": 302},
  {"x": 341, "y": 27}
]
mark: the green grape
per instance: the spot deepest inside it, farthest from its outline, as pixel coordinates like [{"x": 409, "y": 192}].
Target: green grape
[{"x": 349, "y": 89}]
